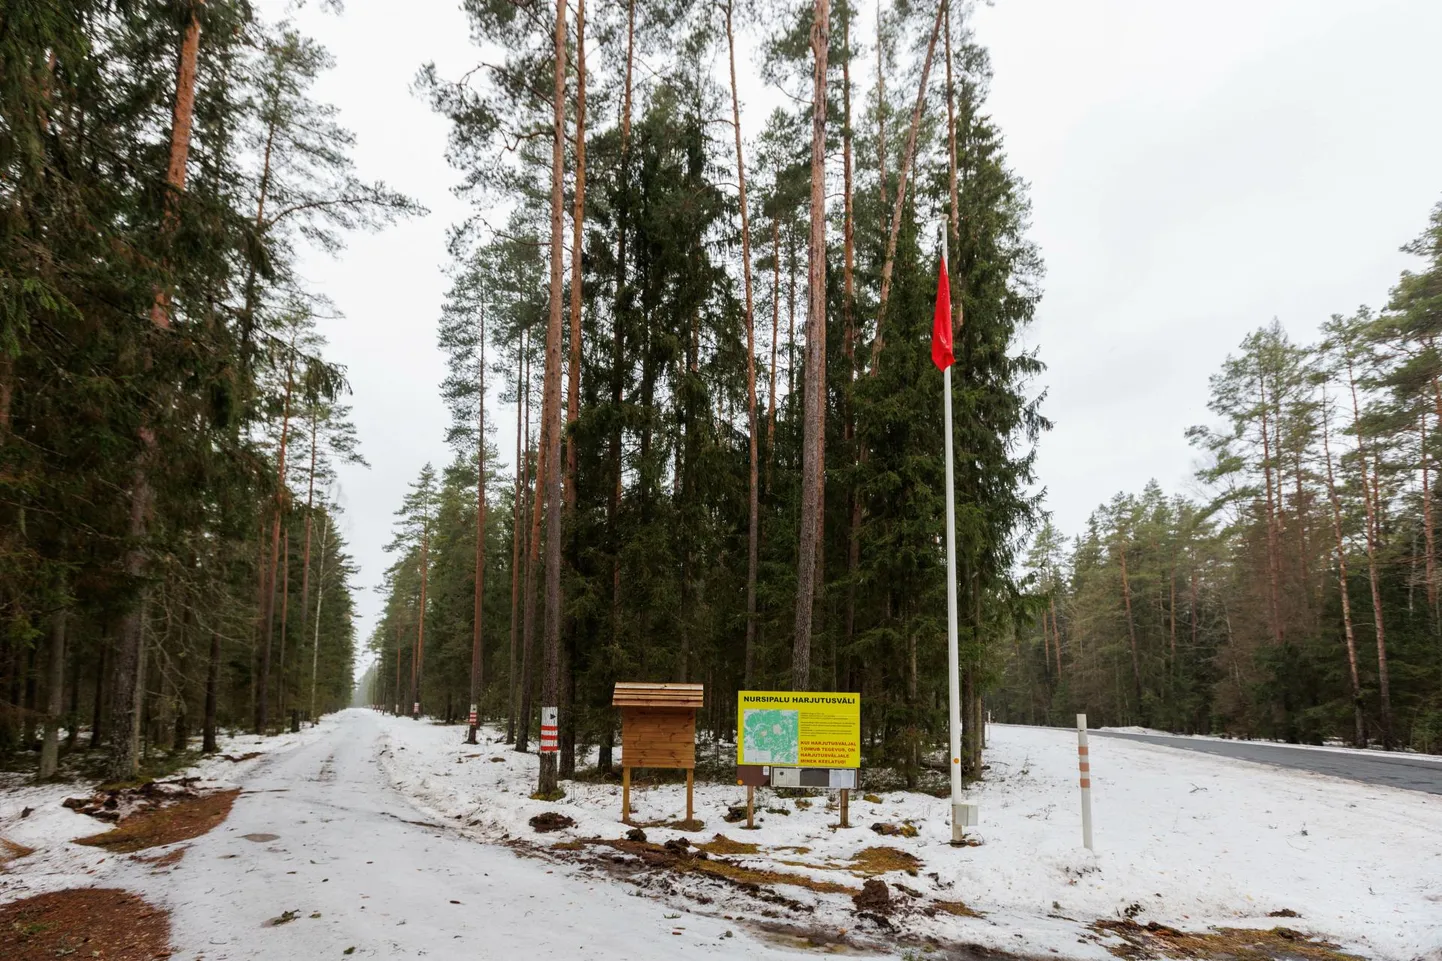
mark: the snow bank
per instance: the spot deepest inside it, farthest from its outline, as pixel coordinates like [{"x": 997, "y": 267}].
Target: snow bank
[{"x": 1189, "y": 840}]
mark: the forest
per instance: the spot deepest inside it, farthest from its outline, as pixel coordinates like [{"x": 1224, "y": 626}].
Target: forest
[
  {"x": 708, "y": 331},
  {"x": 728, "y": 422},
  {"x": 1297, "y": 597},
  {"x": 170, "y": 564}
]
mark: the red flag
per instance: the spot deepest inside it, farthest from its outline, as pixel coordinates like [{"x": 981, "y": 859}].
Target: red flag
[{"x": 941, "y": 354}]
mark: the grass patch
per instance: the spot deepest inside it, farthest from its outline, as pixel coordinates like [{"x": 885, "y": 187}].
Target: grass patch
[
  {"x": 1226, "y": 944},
  {"x": 555, "y": 795},
  {"x": 740, "y": 875},
  {"x": 721, "y": 845},
  {"x": 956, "y": 909},
  {"x": 879, "y": 860},
  {"x": 178, "y": 821}
]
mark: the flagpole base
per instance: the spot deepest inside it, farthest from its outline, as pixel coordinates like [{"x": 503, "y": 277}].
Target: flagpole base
[{"x": 964, "y": 814}]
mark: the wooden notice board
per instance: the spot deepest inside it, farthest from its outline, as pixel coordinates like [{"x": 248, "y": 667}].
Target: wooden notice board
[{"x": 658, "y": 730}]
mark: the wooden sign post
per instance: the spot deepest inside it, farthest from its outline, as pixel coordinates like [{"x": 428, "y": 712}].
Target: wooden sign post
[{"x": 658, "y": 729}]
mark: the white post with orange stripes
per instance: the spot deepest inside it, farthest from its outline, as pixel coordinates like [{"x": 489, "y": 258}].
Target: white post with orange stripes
[{"x": 1084, "y": 766}]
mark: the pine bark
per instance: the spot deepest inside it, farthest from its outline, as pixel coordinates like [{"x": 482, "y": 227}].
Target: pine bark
[
  {"x": 1369, "y": 493},
  {"x": 848, "y": 336},
  {"x": 262, "y": 703},
  {"x": 1359, "y": 729},
  {"x": 309, "y": 517},
  {"x": 1273, "y": 563},
  {"x": 128, "y": 670},
  {"x": 477, "y": 658},
  {"x": 54, "y": 696},
  {"x": 518, "y": 518},
  {"x": 1131, "y": 629},
  {"x": 551, "y": 405},
  {"x": 753, "y": 494},
  {"x": 815, "y": 382}
]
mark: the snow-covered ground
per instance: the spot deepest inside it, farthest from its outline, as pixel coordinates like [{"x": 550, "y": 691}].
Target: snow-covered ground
[
  {"x": 56, "y": 864},
  {"x": 1183, "y": 839}
]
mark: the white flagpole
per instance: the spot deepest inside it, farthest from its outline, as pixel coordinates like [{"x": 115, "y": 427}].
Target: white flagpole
[{"x": 959, "y": 809}]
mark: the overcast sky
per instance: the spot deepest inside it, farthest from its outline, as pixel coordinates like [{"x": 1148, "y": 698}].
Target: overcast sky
[{"x": 1196, "y": 169}]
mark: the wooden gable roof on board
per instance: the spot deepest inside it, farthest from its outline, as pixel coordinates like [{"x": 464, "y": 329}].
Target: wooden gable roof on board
[{"x": 641, "y": 694}]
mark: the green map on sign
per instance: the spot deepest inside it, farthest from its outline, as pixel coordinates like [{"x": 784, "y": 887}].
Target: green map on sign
[{"x": 770, "y": 737}]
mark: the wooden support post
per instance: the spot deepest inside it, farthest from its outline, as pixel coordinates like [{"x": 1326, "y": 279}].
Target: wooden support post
[
  {"x": 625, "y": 795},
  {"x": 845, "y": 808},
  {"x": 690, "y": 778},
  {"x": 750, "y": 808}
]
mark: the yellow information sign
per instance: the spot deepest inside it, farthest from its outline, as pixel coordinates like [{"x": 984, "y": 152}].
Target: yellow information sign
[{"x": 798, "y": 729}]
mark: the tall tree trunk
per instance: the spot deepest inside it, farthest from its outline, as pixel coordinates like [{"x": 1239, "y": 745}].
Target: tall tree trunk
[
  {"x": 212, "y": 694},
  {"x": 127, "y": 687},
  {"x": 533, "y": 560},
  {"x": 1273, "y": 588},
  {"x": 518, "y": 516},
  {"x": 1369, "y": 492},
  {"x": 1131, "y": 629},
  {"x": 578, "y": 220},
  {"x": 421, "y": 617},
  {"x": 315, "y": 642},
  {"x": 568, "y": 659},
  {"x": 815, "y": 382},
  {"x": 775, "y": 339},
  {"x": 1056, "y": 636},
  {"x": 284, "y": 617},
  {"x": 753, "y": 500},
  {"x": 1428, "y": 529},
  {"x": 477, "y": 660},
  {"x": 1359, "y": 729},
  {"x": 898, "y": 205},
  {"x": 309, "y": 514},
  {"x": 262, "y": 714},
  {"x": 551, "y": 406},
  {"x": 54, "y": 696},
  {"x": 848, "y": 336},
  {"x": 881, "y": 106}
]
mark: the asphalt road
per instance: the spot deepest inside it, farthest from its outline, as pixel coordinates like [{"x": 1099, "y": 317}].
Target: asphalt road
[{"x": 1392, "y": 770}]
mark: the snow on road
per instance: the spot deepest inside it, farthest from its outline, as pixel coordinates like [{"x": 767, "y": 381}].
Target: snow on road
[
  {"x": 1186, "y": 840},
  {"x": 319, "y": 832},
  {"x": 57, "y": 864}
]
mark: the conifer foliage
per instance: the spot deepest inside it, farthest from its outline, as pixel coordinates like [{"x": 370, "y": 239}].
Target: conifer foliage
[
  {"x": 169, "y": 558},
  {"x": 1298, "y": 598},
  {"x": 748, "y": 498}
]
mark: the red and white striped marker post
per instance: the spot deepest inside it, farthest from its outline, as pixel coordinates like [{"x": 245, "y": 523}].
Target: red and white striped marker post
[
  {"x": 1084, "y": 766},
  {"x": 472, "y": 720},
  {"x": 549, "y": 731}
]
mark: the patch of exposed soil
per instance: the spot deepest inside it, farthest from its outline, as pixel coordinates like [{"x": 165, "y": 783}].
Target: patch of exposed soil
[
  {"x": 551, "y": 821},
  {"x": 84, "y": 923},
  {"x": 870, "y": 862},
  {"x": 1152, "y": 940},
  {"x": 176, "y": 819},
  {"x": 721, "y": 844}
]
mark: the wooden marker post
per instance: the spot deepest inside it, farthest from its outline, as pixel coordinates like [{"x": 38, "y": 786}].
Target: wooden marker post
[
  {"x": 845, "y": 808},
  {"x": 750, "y": 808},
  {"x": 1084, "y": 766},
  {"x": 625, "y": 795},
  {"x": 690, "y": 779}
]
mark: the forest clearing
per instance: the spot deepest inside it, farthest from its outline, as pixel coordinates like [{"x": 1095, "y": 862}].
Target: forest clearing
[
  {"x": 367, "y": 800},
  {"x": 645, "y": 360}
]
